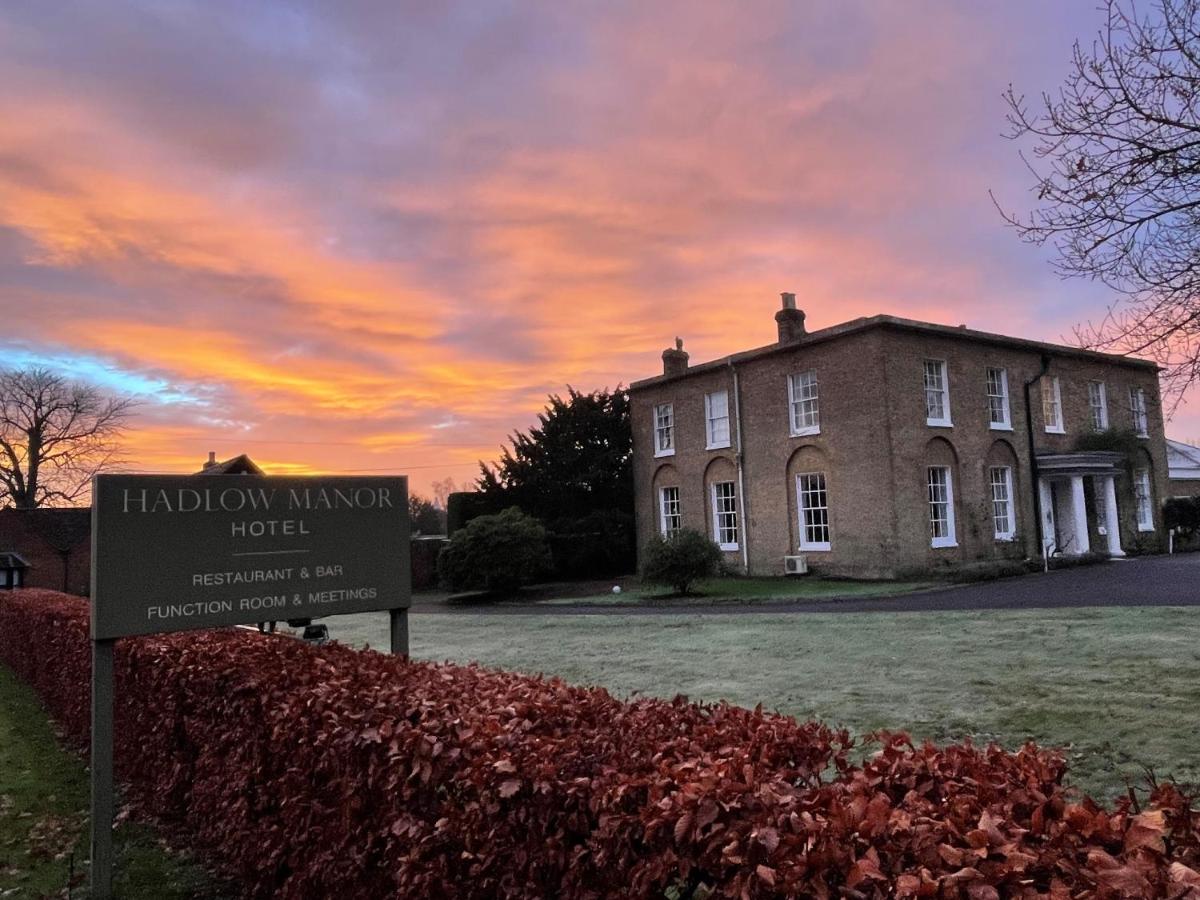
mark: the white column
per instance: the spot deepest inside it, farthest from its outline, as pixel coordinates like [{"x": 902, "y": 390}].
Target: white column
[
  {"x": 1112, "y": 522},
  {"x": 1047, "y": 501},
  {"x": 1079, "y": 515}
]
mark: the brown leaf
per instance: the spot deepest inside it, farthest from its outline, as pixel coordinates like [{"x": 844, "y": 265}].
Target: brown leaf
[
  {"x": 682, "y": 826},
  {"x": 1146, "y": 830},
  {"x": 767, "y": 874},
  {"x": 1125, "y": 879},
  {"x": 1181, "y": 874},
  {"x": 510, "y": 787}
]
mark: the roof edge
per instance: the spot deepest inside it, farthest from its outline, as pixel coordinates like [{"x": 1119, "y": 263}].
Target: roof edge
[{"x": 882, "y": 320}]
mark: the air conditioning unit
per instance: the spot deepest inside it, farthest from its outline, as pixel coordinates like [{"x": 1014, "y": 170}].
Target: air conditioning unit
[{"x": 795, "y": 565}]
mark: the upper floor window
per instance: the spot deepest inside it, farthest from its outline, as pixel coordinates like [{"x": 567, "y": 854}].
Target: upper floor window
[
  {"x": 1052, "y": 405},
  {"x": 670, "y": 519},
  {"x": 1098, "y": 401},
  {"x": 716, "y": 415},
  {"x": 804, "y": 403},
  {"x": 1137, "y": 408},
  {"x": 1004, "y": 517},
  {"x": 813, "y": 503},
  {"x": 937, "y": 393},
  {"x": 1142, "y": 501},
  {"x": 999, "y": 417},
  {"x": 941, "y": 507},
  {"x": 725, "y": 524},
  {"x": 664, "y": 430}
]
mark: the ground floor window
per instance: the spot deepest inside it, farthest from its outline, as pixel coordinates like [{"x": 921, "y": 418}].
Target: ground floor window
[
  {"x": 725, "y": 526},
  {"x": 1004, "y": 519},
  {"x": 1141, "y": 496},
  {"x": 670, "y": 520},
  {"x": 941, "y": 507},
  {"x": 813, "y": 503}
]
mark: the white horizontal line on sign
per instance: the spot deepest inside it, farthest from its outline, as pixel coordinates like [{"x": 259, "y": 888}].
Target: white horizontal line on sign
[{"x": 270, "y": 552}]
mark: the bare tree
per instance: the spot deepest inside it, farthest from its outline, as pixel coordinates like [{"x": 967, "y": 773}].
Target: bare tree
[
  {"x": 1117, "y": 168},
  {"x": 55, "y": 434}
]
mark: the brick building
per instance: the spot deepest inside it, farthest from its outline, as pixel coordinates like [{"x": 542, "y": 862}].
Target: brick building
[
  {"x": 46, "y": 548},
  {"x": 885, "y": 445}
]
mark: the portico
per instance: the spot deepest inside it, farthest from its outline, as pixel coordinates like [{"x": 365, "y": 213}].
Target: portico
[{"x": 1062, "y": 496}]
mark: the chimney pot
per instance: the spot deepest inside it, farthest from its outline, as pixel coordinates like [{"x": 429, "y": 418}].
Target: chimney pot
[
  {"x": 790, "y": 320},
  {"x": 212, "y": 459}
]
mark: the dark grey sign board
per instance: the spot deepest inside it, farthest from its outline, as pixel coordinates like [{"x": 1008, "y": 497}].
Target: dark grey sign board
[
  {"x": 175, "y": 552},
  {"x": 172, "y": 553}
]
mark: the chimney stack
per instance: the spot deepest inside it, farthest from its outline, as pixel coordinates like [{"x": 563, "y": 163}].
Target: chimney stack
[
  {"x": 212, "y": 459},
  {"x": 675, "y": 360},
  {"x": 790, "y": 320}
]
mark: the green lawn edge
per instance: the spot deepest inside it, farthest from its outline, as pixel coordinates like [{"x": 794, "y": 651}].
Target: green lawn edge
[{"x": 44, "y": 825}]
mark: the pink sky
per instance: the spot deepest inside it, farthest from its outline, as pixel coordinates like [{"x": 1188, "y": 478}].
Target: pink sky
[{"x": 373, "y": 236}]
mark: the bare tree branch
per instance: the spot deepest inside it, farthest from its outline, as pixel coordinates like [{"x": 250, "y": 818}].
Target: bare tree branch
[
  {"x": 55, "y": 435},
  {"x": 1117, "y": 181}
]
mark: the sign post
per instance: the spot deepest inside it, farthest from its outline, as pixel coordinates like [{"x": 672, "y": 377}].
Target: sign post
[
  {"x": 102, "y": 769},
  {"x": 174, "y": 553}
]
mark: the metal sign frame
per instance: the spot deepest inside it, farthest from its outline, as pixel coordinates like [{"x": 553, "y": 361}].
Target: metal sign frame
[{"x": 185, "y": 524}]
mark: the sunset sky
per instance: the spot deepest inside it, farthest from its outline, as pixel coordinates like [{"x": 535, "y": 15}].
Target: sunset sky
[{"x": 372, "y": 236}]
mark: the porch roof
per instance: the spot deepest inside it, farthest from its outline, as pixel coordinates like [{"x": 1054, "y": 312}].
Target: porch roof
[
  {"x": 10, "y": 560},
  {"x": 1081, "y": 462}
]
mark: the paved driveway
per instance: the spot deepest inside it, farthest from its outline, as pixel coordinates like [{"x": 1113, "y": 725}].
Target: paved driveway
[{"x": 1148, "y": 581}]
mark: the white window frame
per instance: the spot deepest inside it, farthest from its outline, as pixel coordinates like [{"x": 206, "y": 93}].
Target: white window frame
[
  {"x": 1003, "y": 499},
  {"x": 942, "y": 388},
  {"x": 803, "y": 512},
  {"x": 668, "y": 510},
  {"x": 711, "y": 422},
  {"x": 660, "y": 429},
  {"x": 950, "y": 539},
  {"x": 1137, "y": 410},
  {"x": 719, "y": 510},
  {"x": 1052, "y": 401},
  {"x": 804, "y": 403},
  {"x": 1143, "y": 500},
  {"x": 1004, "y": 424},
  {"x": 1098, "y": 404}
]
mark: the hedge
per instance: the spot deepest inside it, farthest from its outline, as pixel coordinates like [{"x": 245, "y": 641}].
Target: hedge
[{"x": 317, "y": 772}]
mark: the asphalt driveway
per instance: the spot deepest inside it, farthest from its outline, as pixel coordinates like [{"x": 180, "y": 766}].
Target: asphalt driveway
[{"x": 1146, "y": 581}]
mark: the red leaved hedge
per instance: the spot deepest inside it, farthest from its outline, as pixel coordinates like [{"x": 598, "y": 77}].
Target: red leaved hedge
[{"x": 322, "y": 772}]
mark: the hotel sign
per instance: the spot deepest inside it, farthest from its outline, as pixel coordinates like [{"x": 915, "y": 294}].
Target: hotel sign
[{"x": 172, "y": 553}]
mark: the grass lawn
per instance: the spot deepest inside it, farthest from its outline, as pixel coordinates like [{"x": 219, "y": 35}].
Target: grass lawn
[
  {"x": 1119, "y": 689},
  {"x": 44, "y": 819},
  {"x": 721, "y": 590}
]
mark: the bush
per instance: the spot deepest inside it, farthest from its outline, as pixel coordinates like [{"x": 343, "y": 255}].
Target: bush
[
  {"x": 313, "y": 772},
  {"x": 681, "y": 559},
  {"x": 1182, "y": 514},
  {"x": 495, "y": 553}
]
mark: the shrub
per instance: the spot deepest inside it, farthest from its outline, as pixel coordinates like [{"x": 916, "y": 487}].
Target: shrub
[
  {"x": 681, "y": 559},
  {"x": 1182, "y": 514},
  {"x": 495, "y": 553},
  {"x": 314, "y": 772}
]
